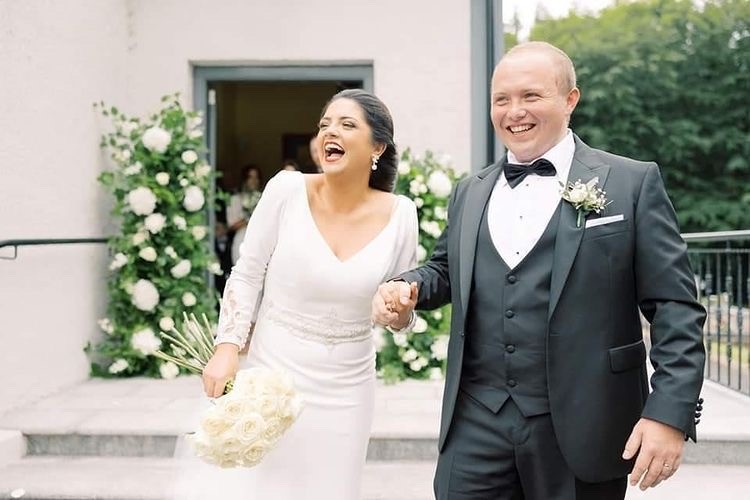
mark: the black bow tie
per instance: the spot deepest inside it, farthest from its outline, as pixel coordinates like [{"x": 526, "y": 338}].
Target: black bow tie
[{"x": 515, "y": 173}]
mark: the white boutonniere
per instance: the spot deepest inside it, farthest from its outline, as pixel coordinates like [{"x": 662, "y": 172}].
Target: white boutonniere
[{"x": 585, "y": 198}]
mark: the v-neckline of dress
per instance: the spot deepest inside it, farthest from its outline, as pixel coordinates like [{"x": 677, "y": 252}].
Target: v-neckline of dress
[{"x": 324, "y": 241}]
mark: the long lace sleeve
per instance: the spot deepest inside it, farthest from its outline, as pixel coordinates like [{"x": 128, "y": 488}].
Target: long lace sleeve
[{"x": 245, "y": 284}]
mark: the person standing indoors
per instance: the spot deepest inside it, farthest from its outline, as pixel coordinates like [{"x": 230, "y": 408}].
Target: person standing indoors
[
  {"x": 241, "y": 206},
  {"x": 546, "y": 393},
  {"x": 316, "y": 249}
]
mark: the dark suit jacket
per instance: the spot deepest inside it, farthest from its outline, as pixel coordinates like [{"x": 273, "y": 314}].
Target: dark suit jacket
[{"x": 602, "y": 276}]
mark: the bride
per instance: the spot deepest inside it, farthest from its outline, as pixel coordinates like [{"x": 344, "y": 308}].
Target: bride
[{"x": 316, "y": 248}]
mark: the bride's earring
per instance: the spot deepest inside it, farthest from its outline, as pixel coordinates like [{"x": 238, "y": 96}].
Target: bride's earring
[{"x": 374, "y": 165}]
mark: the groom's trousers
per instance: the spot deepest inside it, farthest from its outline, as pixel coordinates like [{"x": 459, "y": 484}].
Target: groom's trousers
[{"x": 506, "y": 456}]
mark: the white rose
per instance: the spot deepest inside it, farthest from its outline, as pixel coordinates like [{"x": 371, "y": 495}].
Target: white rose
[
  {"x": 194, "y": 199},
  {"x": 145, "y": 296},
  {"x": 189, "y": 157},
  {"x": 403, "y": 167},
  {"x": 418, "y": 202},
  {"x": 439, "y": 184},
  {"x": 409, "y": 355},
  {"x": 170, "y": 251},
  {"x": 118, "y": 366},
  {"x": 162, "y": 178},
  {"x": 199, "y": 232},
  {"x": 439, "y": 347},
  {"x": 420, "y": 325},
  {"x": 168, "y": 370},
  {"x": 166, "y": 324},
  {"x": 182, "y": 269},
  {"x": 578, "y": 194},
  {"x": 106, "y": 325},
  {"x": 145, "y": 341},
  {"x": 155, "y": 223},
  {"x": 203, "y": 170},
  {"x": 215, "y": 268},
  {"x": 140, "y": 237},
  {"x": 179, "y": 222},
  {"x": 400, "y": 339},
  {"x": 188, "y": 299},
  {"x": 118, "y": 261},
  {"x": 436, "y": 374},
  {"x": 156, "y": 139},
  {"x": 141, "y": 201},
  {"x": 421, "y": 253},
  {"x": 148, "y": 254}
]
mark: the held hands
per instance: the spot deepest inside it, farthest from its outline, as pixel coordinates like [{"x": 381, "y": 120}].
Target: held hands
[
  {"x": 393, "y": 304},
  {"x": 221, "y": 368},
  {"x": 660, "y": 452}
]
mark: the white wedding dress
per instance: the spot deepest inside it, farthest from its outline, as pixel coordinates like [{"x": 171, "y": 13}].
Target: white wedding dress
[{"x": 313, "y": 321}]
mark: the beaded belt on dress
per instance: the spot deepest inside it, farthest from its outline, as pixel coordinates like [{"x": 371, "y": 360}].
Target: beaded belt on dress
[{"x": 326, "y": 329}]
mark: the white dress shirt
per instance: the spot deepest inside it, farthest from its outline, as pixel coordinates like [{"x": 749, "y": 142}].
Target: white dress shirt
[{"x": 517, "y": 217}]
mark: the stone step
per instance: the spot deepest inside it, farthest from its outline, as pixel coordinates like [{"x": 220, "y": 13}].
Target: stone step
[
  {"x": 381, "y": 448},
  {"x": 99, "y": 478},
  {"x": 103, "y": 478}
]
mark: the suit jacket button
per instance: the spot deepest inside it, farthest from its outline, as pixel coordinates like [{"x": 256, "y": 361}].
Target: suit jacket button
[
  {"x": 512, "y": 279},
  {"x": 509, "y": 313},
  {"x": 510, "y": 348},
  {"x": 512, "y": 382}
]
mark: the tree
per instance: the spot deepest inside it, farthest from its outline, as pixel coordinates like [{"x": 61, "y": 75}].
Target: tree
[{"x": 669, "y": 81}]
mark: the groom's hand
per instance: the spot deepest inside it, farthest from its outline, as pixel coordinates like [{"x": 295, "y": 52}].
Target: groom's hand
[
  {"x": 660, "y": 452},
  {"x": 393, "y": 304}
]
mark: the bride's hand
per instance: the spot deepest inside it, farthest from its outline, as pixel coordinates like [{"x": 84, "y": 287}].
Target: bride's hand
[{"x": 221, "y": 368}]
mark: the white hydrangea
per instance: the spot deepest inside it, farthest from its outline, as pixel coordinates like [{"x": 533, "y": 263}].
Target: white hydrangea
[
  {"x": 400, "y": 339},
  {"x": 420, "y": 325},
  {"x": 140, "y": 237},
  {"x": 189, "y": 157},
  {"x": 203, "y": 170},
  {"x": 106, "y": 325},
  {"x": 441, "y": 213},
  {"x": 403, "y": 167},
  {"x": 156, "y": 139},
  {"x": 120, "y": 365},
  {"x": 215, "y": 268},
  {"x": 133, "y": 169},
  {"x": 421, "y": 253},
  {"x": 409, "y": 355},
  {"x": 431, "y": 227},
  {"x": 417, "y": 187},
  {"x": 141, "y": 200},
  {"x": 166, "y": 324},
  {"x": 194, "y": 199},
  {"x": 162, "y": 178},
  {"x": 418, "y": 202},
  {"x": 155, "y": 222},
  {"x": 182, "y": 269},
  {"x": 184, "y": 182},
  {"x": 145, "y": 341},
  {"x": 439, "y": 184},
  {"x": 435, "y": 373},
  {"x": 144, "y": 295},
  {"x": 439, "y": 347},
  {"x": 195, "y": 134},
  {"x": 128, "y": 127},
  {"x": 418, "y": 364},
  {"x": 437, "y": 315},
  {"x": 119, "y": 260},
  {"x": 199, "y": 232},
  {"x": 168, "y": 370},
  {"x": 188, "y": 299},
  {"x": 148, "y": 254},
  {"x": 179, "y": 222},
  {"x": 170, "y": 251}
]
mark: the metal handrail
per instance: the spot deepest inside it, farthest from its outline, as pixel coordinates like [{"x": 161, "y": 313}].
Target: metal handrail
[
  {"x": 44, "y": 241},
  {"x": 718, "y": 236}
]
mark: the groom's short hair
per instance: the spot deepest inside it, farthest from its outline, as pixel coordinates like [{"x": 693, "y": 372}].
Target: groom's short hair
[{"x": 565, "y": 74}]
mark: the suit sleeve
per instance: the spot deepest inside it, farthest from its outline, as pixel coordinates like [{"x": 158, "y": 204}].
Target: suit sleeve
[
  {"x": 433, "y": 278},
  {"x": 667, "y": 298}
]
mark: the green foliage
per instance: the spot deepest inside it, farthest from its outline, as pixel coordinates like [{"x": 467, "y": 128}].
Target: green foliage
[
  {"x": 161, "y": 256},
  {"x": 428, "y": 181},
  {"x": 668, "y": 81}
]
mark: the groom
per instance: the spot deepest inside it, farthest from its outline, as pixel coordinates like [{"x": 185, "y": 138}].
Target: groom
[{"x": 546, "y": 394}]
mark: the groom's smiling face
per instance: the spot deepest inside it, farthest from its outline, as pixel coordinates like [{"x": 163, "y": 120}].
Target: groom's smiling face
[{"x": 530, "y": 109}]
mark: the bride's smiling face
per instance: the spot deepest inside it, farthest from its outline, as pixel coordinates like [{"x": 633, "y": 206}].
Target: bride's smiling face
[{"x": 345, "y": 138}]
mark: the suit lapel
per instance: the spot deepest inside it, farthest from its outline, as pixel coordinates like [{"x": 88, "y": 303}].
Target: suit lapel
[
  {"x": 586, "y": 165},
  {"x": 477, "y": 196}
]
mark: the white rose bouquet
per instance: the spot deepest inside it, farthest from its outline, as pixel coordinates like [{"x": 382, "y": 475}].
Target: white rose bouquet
[{"x": 257, "y": 407}]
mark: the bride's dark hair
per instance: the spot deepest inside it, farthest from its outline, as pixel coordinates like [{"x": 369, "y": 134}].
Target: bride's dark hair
[{"x": 379, "y": 119}]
